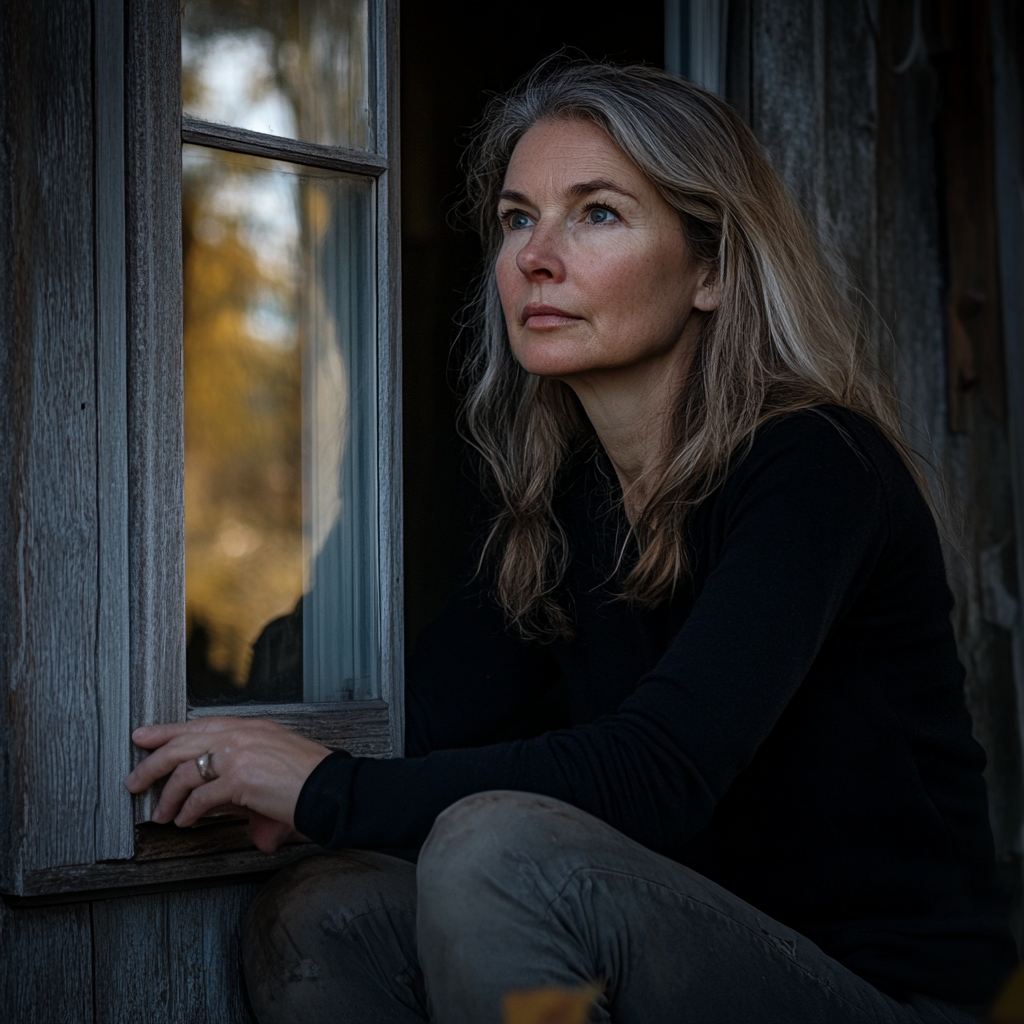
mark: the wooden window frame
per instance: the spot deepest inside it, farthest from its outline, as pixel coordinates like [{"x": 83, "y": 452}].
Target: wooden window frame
[
  {"x": 156, "y": 407},
  {"x": 138, "y": 533}
]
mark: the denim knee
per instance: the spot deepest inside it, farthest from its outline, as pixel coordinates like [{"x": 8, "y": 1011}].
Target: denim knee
[
  {"x": 489, "y": 845},
  {"x": 297, "y": 950}
]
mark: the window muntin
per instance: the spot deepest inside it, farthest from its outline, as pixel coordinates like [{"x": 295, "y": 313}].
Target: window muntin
[{"x": 298, "y": 69}]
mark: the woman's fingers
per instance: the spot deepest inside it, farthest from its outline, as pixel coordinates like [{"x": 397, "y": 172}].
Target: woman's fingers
[
  {"x": 204, "y": 798},
  {"x": 165, "y": 759},
  {"x": 151, "y": 736},
  {"x": 176, "y": 791},
  {"x": 261, "y": 766}
]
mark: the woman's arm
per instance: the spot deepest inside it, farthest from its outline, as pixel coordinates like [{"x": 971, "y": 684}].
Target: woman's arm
[
  {"x": 802, "y": 523},
  {"x": 467, "y": 680}
]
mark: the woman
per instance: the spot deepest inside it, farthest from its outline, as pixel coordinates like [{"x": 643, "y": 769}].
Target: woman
[{"x": 697, "y": 719}]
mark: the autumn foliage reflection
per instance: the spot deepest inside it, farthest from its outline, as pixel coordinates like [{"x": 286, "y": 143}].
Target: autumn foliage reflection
[{"x": 243, "y": 417}]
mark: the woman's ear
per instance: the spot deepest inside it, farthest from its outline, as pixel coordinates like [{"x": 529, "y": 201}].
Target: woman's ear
[{"x": 709, "y": 292}]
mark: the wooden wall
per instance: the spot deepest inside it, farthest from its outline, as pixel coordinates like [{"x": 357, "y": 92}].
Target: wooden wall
[
  {"x": 159, "y": 958},
  {"x": 885, "y": 136}
]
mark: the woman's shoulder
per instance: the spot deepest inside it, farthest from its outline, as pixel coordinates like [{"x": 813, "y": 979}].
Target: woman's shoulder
[
  {"x": 826, "y": 439},
  {"x": 833, "y": 457}
]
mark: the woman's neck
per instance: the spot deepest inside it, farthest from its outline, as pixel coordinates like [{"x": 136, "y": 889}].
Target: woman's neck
[{"x": 631, "y": 412}]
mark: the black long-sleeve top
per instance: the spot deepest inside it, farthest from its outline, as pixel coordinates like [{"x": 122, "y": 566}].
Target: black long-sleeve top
[{"x": 791, "y": 724}]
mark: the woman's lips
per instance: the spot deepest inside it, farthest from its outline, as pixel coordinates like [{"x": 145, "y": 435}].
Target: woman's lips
[{"x": 537, "y": 316}]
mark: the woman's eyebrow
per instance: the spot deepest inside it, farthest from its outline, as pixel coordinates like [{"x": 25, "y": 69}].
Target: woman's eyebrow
[
  {"x": 585, "y": 188},
  {"x": 577, "y": 191}
]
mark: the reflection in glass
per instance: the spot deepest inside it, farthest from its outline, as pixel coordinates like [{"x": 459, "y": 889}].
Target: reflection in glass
[
  {"x": 280, "y": 431},
  {"x": 294, "y": 68}
]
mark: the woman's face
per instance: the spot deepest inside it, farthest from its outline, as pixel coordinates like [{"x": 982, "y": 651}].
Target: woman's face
[{"x": 593, "y": 273}]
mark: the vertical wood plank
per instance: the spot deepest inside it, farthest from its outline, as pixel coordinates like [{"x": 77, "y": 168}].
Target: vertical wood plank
[
  {"x": 1008, "y": 65},
  {"x": 812, "y": 100},
  {"x": 966, "y": 122},
  {"x": 846, "y": 176},
  {"x": 48, "y": 543},
  {"x": 156, "y": 516},
  {"x": 390, "y": 375},
  {"x": 46, "y": 964},
  {"x": 787, "y": 92},
  {"x": 738, "y": 57},
  {"x": 114, "y": 811},
  {"x": 973, "y": 466},
  {"x": 172, "y": 958},
  {"x": 909, "y": 274},
  {"x": 11, "y": 798}
]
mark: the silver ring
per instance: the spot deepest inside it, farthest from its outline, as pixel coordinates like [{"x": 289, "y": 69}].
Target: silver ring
[{"x": 204, "y": 762}]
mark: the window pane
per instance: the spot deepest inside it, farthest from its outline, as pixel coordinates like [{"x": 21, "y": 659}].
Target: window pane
[
  {"x": 280, "y": 431},
  {"x": 295, "y": 68}
]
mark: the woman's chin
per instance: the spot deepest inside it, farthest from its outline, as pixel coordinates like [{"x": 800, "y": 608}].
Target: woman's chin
[{"x": 550, "y": 363}]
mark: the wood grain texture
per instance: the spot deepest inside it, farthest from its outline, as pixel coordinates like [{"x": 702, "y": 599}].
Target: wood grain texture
[
  {"x": 162, "y": 842},
  {"x": 972, "y": 468},
  {"x": 11, "y": 799},
  {"x": 171, "y": 958},
  {"x": 360, "y": 727},
  {"x": 114, "y": 808},
  {"x": 908, "y": 296},
  {"x": 812, "y": 105},
  {"x": 392, "y": 617},
  {"x": 1008, "y": 63},
  {"x": 787, "y": 90},
  {"x": 166, "y": 871},
  {"x": 156, "y": 517},
  {"x": 48, "y": 424},
  {"x": 242, "y": 140},
  {"x": 973, "y": 316},
  {"x": 46, "y": 965}
]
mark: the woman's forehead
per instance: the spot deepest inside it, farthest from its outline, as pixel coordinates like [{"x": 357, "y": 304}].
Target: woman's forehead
[{"x": 559, "y": 154}]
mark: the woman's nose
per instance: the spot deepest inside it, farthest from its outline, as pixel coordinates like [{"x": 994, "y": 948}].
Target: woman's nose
[{"x": 541, "y": 258}]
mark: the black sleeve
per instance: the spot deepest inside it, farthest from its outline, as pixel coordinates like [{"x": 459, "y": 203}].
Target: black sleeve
[{"x": 801, "y": 523}]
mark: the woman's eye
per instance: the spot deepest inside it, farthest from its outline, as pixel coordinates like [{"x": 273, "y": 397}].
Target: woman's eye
[
  {"x": 600, "y": 215},
  {"x": 517, "y": 220}
]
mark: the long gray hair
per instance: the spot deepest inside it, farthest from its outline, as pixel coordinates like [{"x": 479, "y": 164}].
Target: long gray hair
[{"x": 783, "y": 338}]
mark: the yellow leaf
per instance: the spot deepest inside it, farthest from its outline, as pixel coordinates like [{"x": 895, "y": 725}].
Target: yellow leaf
[
  {"x": 1009, "y": 1005},
  {"x": 549, "y": 1005}
]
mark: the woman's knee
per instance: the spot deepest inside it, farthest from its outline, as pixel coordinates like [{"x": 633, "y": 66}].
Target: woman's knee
[
  {"x": 293, "y": 938},
  {"x": 492, "y": 846}
]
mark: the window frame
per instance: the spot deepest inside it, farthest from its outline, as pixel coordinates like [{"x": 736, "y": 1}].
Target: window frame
[
  {"x": 369, "y": 727},
  {"x": 121, "y": 656}
]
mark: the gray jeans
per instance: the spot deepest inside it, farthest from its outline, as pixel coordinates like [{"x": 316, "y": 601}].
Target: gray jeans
[{"x": 515, "y": 891}]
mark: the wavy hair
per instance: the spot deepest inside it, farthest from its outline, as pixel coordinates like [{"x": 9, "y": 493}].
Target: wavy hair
[{"x": 783, "y": 338}]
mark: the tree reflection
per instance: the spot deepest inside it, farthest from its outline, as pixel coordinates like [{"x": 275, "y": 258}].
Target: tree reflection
[{"x": 243, "y": 418}]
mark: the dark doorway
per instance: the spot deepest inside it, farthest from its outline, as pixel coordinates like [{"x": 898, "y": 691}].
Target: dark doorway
[{"x": 454, "y": 53}]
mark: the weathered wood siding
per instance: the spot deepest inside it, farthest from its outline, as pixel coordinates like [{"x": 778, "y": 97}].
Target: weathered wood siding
[
  {"x": 850, "y": 110},
  {"x": 155, "y": 401},
  {"x": 46, "y": 965},
  {"x": 48, "y": 465},
  {"x": 171, "y": 958},
  {"x": 160, "y": 958}
]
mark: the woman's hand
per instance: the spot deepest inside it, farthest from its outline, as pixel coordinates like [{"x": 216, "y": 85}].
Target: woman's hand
[{"x": 259, "y": 765}]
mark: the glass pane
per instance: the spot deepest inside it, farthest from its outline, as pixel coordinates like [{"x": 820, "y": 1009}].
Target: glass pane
[
  {"x": 295, "y": 68},
  {"x": 280, "y": 431}
]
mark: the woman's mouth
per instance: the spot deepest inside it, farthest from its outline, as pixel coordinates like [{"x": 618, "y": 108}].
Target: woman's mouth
[{"x": 537, "y": 316}]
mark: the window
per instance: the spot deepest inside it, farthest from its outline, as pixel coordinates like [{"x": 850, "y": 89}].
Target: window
[
  {"x": 106, "y": 422},
  {"x": 279, "y": 356},
  {"x": 289, "y": 349}
]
